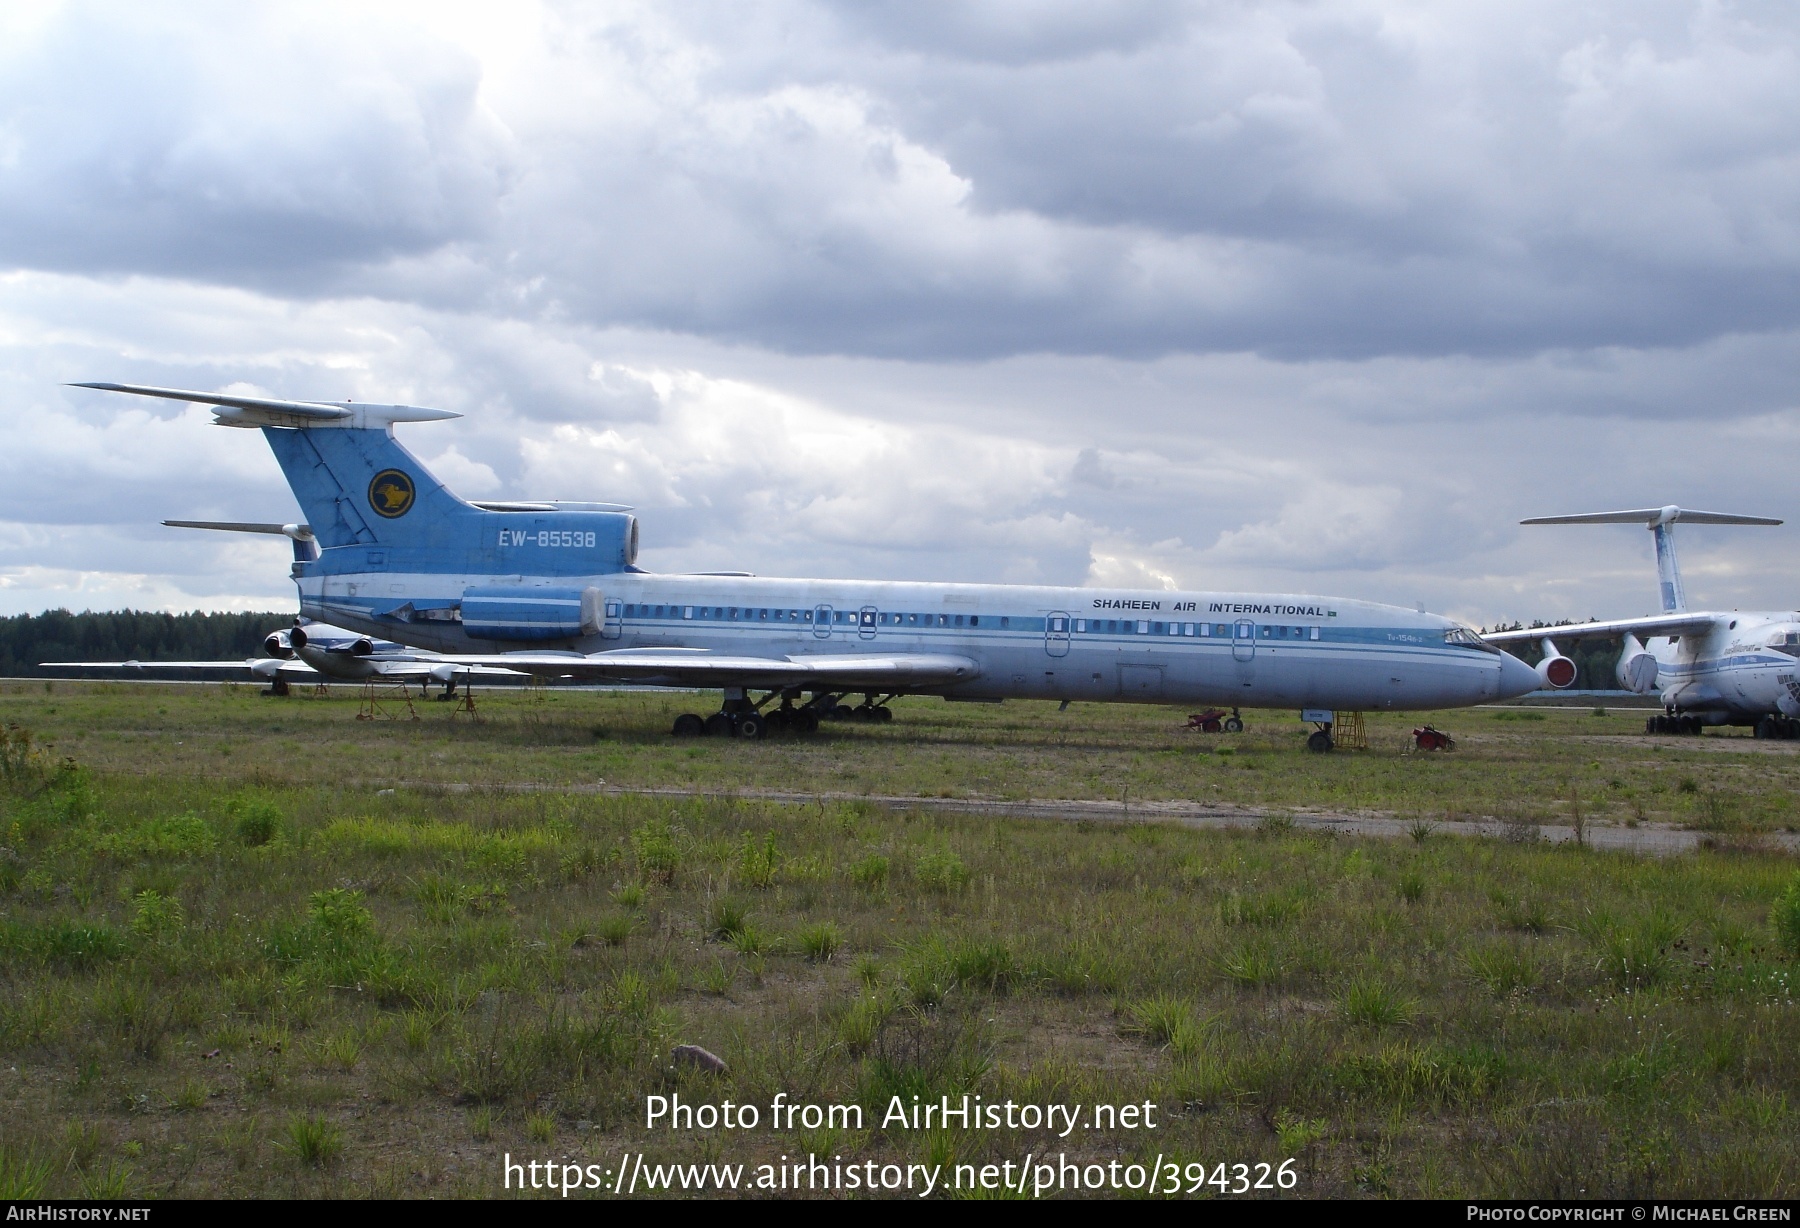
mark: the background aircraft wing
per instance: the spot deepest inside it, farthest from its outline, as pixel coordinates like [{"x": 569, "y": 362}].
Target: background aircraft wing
[
  {"x": 700, "y": 668},
  {"x": 258, "y": 667},
  {"x": 1656, "y": 624}
]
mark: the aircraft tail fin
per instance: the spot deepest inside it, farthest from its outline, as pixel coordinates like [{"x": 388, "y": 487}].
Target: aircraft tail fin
[
  {"x": 1660, "y": 521},
  {"x": 359, "y": 487}
]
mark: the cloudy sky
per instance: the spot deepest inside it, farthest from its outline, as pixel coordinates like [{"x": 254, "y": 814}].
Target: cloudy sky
[{"x": 1313, "y": 296}]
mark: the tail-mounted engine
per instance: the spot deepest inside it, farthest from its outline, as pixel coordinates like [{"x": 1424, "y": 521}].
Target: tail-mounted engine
[{"x": 516, "y": 612}]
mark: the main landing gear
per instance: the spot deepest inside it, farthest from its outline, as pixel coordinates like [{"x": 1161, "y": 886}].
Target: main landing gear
[
  {"x": 1780, "y": 727},
  {"x": 1687, "y": 726},
  {"x": 740, "y": 717}
]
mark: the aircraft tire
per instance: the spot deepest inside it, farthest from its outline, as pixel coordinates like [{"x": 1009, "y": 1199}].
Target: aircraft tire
[
  {"x": 1319, "y": 743},
  {"x": 752, "y": 726},
  {"x": 1233, "y": 725},
  {"x": 688, "y": 725},
  {"x": 806, "y": 721},
  {"x": 1765, "y": 728},
  {"x": 718, "y": 725},
  {"x": 882, "y": 714}
]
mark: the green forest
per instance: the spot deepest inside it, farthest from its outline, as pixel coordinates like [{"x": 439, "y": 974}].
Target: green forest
[{"x": 130, "y": 635}]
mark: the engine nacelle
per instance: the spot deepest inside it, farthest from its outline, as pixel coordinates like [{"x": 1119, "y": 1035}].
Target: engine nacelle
[
  {"x": 517, "y": 612},
  {"x": 278, "y": 644},
  {"x": 1636, "y": 671},
  {"x": 1556, "y": 670},
  {"x": 362, "y": 647},
  {"x": 297, "y": 638}
]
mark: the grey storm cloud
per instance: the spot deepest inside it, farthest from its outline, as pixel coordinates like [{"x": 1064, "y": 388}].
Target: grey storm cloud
[{"x": 946, "y": 180}]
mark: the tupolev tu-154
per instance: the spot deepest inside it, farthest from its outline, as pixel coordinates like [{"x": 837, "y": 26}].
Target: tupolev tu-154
[{"x": 552, "y": 588}]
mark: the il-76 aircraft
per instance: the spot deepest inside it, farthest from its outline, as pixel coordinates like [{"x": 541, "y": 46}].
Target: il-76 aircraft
[
  {"x": 553, "y": 589},
  {"x": 1710, "y": 667}
]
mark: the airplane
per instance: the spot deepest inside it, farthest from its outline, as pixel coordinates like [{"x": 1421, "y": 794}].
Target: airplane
[
  {"x": 310, "y": 652},
  {"x": 552, "y": 588},
  {"x": 1710, "y": 667}
]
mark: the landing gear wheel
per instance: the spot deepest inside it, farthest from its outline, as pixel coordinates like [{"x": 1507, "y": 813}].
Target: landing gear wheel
[
  {"x": 883, "y": 714},
  {"x": 1319, "y": 743},
  {"x": 278, "y": 689},
  {"x": 718, "y": 725},
  {"x": 806, "y": 721},
  {"x": 1234, "y": 724},
  {"x": 839, "y": 712},
  {"x": 752, "y": 726},
  {"x": 688, "y": 725}
]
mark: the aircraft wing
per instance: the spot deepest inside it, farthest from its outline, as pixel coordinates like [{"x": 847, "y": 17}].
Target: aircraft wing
[
  {"x": 1656, "y": 624},
  {"x": 701, "y": 668},
  {"x": 258, "y": 667}
]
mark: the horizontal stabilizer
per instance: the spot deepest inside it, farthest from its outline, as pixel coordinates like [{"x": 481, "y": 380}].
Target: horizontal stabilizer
[
  {"x": 1653, "y": 516},
  {"x": 298, "y": 532},
  {"x": 269, "y": 411}
]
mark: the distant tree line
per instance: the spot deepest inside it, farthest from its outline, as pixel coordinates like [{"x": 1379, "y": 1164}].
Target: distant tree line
[
  {"x": 130, "y": 635},
  {"x": 1595, "y": 660}
]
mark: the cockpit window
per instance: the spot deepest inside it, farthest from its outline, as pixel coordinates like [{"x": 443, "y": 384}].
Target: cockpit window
[
  {"x": 1787, "y": 642},
  {"x": 1462, "y": 637}
]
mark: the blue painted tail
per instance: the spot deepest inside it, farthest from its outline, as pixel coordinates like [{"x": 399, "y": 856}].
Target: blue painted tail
[{"x": 360, "y": 487}]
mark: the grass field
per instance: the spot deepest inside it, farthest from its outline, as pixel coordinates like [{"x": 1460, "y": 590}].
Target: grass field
[{"x": 257, "y": 947}]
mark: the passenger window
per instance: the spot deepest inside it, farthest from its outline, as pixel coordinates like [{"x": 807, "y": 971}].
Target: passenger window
[
  {"x": 1005, "y": 622},
  {"x": 1187, "y": 628},
  {"x": 1315, "y": 633},
  {"x": 974, "y": 620},
  {"x": 959, "y": 620},
  {"x": 688, "y": 612}
]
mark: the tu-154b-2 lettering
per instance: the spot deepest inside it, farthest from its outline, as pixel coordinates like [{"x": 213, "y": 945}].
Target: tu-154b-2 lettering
[{"x": 552, "y": 589}]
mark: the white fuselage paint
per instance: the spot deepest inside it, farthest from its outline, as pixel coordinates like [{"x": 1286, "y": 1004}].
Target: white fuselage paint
[
  {"x": 1257, "y": 649},
  {"x": 1743, "y": 668}
]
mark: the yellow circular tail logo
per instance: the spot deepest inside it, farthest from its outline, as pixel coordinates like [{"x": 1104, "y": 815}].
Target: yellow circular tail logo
[{"x": 391, "y": 493}]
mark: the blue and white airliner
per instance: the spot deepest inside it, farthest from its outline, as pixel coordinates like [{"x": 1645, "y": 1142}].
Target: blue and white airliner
[
  {"x": 1719, "y": 667},
  {"x": 552, "y": 588}
]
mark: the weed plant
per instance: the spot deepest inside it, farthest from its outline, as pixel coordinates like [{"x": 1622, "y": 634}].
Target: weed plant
[{"x": 277, "y": 979}]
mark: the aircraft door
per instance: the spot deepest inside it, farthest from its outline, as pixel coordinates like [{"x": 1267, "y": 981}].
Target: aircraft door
[
  {"x": 866, "y": 620},
  {"x": 822, "y": 622},
  {"x": 1056, "y": 634},
  {"x": 1243, "y": 640}
]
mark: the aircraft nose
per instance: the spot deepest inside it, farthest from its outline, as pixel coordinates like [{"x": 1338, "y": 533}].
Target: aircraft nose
[{"x": 1516, "y": 677}]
